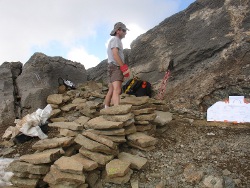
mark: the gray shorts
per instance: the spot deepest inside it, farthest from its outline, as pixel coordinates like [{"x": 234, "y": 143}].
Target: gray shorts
[{"x": 114, "y": 73}]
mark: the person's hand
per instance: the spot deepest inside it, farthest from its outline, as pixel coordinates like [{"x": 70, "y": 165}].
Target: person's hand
[{"x": 125, "y": 70}]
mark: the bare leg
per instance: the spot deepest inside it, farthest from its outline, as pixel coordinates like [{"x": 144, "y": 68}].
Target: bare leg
[
  {"x": 108, "y": 97},
  {"x": 117, "y": 86}
]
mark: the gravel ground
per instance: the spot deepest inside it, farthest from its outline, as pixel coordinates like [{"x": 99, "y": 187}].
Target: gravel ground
[
  {"x": 188, "y": 155},
  {"x": 220, "y": 151}
]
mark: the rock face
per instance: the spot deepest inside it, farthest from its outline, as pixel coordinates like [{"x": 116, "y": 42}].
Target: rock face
[
  {"x": 40, "y": 79},
  {"x": 8, "y": 92},
  {"x": 209, "y": 43},
  {"x": 24, "y": 88}
]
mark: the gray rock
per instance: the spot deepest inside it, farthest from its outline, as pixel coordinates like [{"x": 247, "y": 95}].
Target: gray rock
[
  {"x": 39, "y": 79},
  {"x": 213, "y": 182},
  {"x": 9, "y": 96}
]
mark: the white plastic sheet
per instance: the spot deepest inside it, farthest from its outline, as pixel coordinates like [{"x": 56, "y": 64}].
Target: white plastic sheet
[
  {"x": 235, "y": 110},
  {"x": 30, "y": 124}
]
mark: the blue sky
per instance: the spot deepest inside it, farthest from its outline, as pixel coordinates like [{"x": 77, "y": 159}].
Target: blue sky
[{"x": 77, "y": 30}]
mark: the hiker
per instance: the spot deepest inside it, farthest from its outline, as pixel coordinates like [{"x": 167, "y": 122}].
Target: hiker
[{"x": 117, "y": 69}]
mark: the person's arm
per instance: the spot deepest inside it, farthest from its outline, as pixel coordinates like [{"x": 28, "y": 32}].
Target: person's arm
[
  {"x": 117, "y": 58},
  {"x": 123, "y": 66}
]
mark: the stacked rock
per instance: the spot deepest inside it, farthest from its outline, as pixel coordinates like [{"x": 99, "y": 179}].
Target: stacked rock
[
  {"x": 96, "y": 148},
  {"x": 85, "y": 101},
  {"x": 159, "y": 105},
  {"x": 65, "y": 171},
  {"x": 104, "y": 133},
  {"x": 30, "y": 170},
  {"x": 101, "y": 139},
  {"x": 163, "y": 117},
  {"x": 119, "y": 170},
  {"x": 70, "y": 171},
  {"x": 143, "y": 114},
  {"x": 88, "y": 141},
  {"x": 120, "y": 113}
]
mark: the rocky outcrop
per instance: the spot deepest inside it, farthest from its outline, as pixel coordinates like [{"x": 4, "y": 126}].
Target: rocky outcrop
[
  {"x": 25, "y": 88},
  {"x": 8, "y": 92},
  {"x": 40, "y": 79},
  {"x": 209, "y": 44}
]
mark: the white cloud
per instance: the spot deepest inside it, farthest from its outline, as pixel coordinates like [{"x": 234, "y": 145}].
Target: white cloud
[
  {"x": 134, "y": 31},
  {"x": 132, "y": 34},
  {"x": 81, "y": 56},
  {"x": 29, "y": 23}
]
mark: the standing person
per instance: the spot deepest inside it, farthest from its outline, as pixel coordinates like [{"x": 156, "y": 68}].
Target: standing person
[{"x": 117, "y": 69}]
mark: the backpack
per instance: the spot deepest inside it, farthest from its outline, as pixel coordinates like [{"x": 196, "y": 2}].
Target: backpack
[
  {"x": 66, "y": 83},
  {"x": 137, "y": 87}
]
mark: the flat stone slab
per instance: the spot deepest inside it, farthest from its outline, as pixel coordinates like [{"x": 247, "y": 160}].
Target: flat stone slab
[
  {"x": 149, "y": 148},
  {"x": 136, "y": 162},
  {"x": 54, "y": 113},
  {"x": 116, "y": 110},
  {"x": 119, "y": 118},
  {"x": 44, "y": 157},
  {"x": 55, "y": 99},
  {"x": 67, "y": 125},
  {"x": 97, "y": 157},
  {"x": 130, "y": 129},
  {"x": 142, "y": 139},
  {"x": 69, "y": 165},
  {"x": 28, "y": 175},
  {"x": 109, "y": 132},
  {"x": 137, "y": 101},
  {"x": 79, "y": 100},
  {"x": 19, "y": 166},
  {"x": 55, "y": 176},
  {"x": 142, "y": 128},
  {"x": 68, "y": 107},
  {"x": 129, "y": 122},
  {"x": 162, "y": 118},
  {"x": 82, "y": 120},
  {"x": 143, "y": 111},
  {"x": 145, "y": 117},
  {"x": 101, "y": 123},
  {"x": 24, "y": 182},
  {"x": 117, "y": 168},
  {"x": 68, "y": 133},
  {"x": 116, "y": 139},
  {"x": 142, "y": 122},
  {"x": 88, "y": 165},
  {"x": 53, "y": 143},
  {"x": 93, "y": 145},
  {"x": 101, "y": 139},
  {"x": 93, "y": 104},
  {"x": 117, "y": 180}
]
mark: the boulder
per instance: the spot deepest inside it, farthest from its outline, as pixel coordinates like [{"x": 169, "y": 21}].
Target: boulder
[
  {"x": 9, "y": 97},
  {"x": 39, "y": 79}
]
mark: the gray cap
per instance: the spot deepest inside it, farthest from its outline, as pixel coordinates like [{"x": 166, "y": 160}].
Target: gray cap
[{"x": 118, "y": 25}]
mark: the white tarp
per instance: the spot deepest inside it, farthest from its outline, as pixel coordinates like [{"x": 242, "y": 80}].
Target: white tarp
[
  {"x": 236, "y": 110},
  {"x": 30, "y": 124}
]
